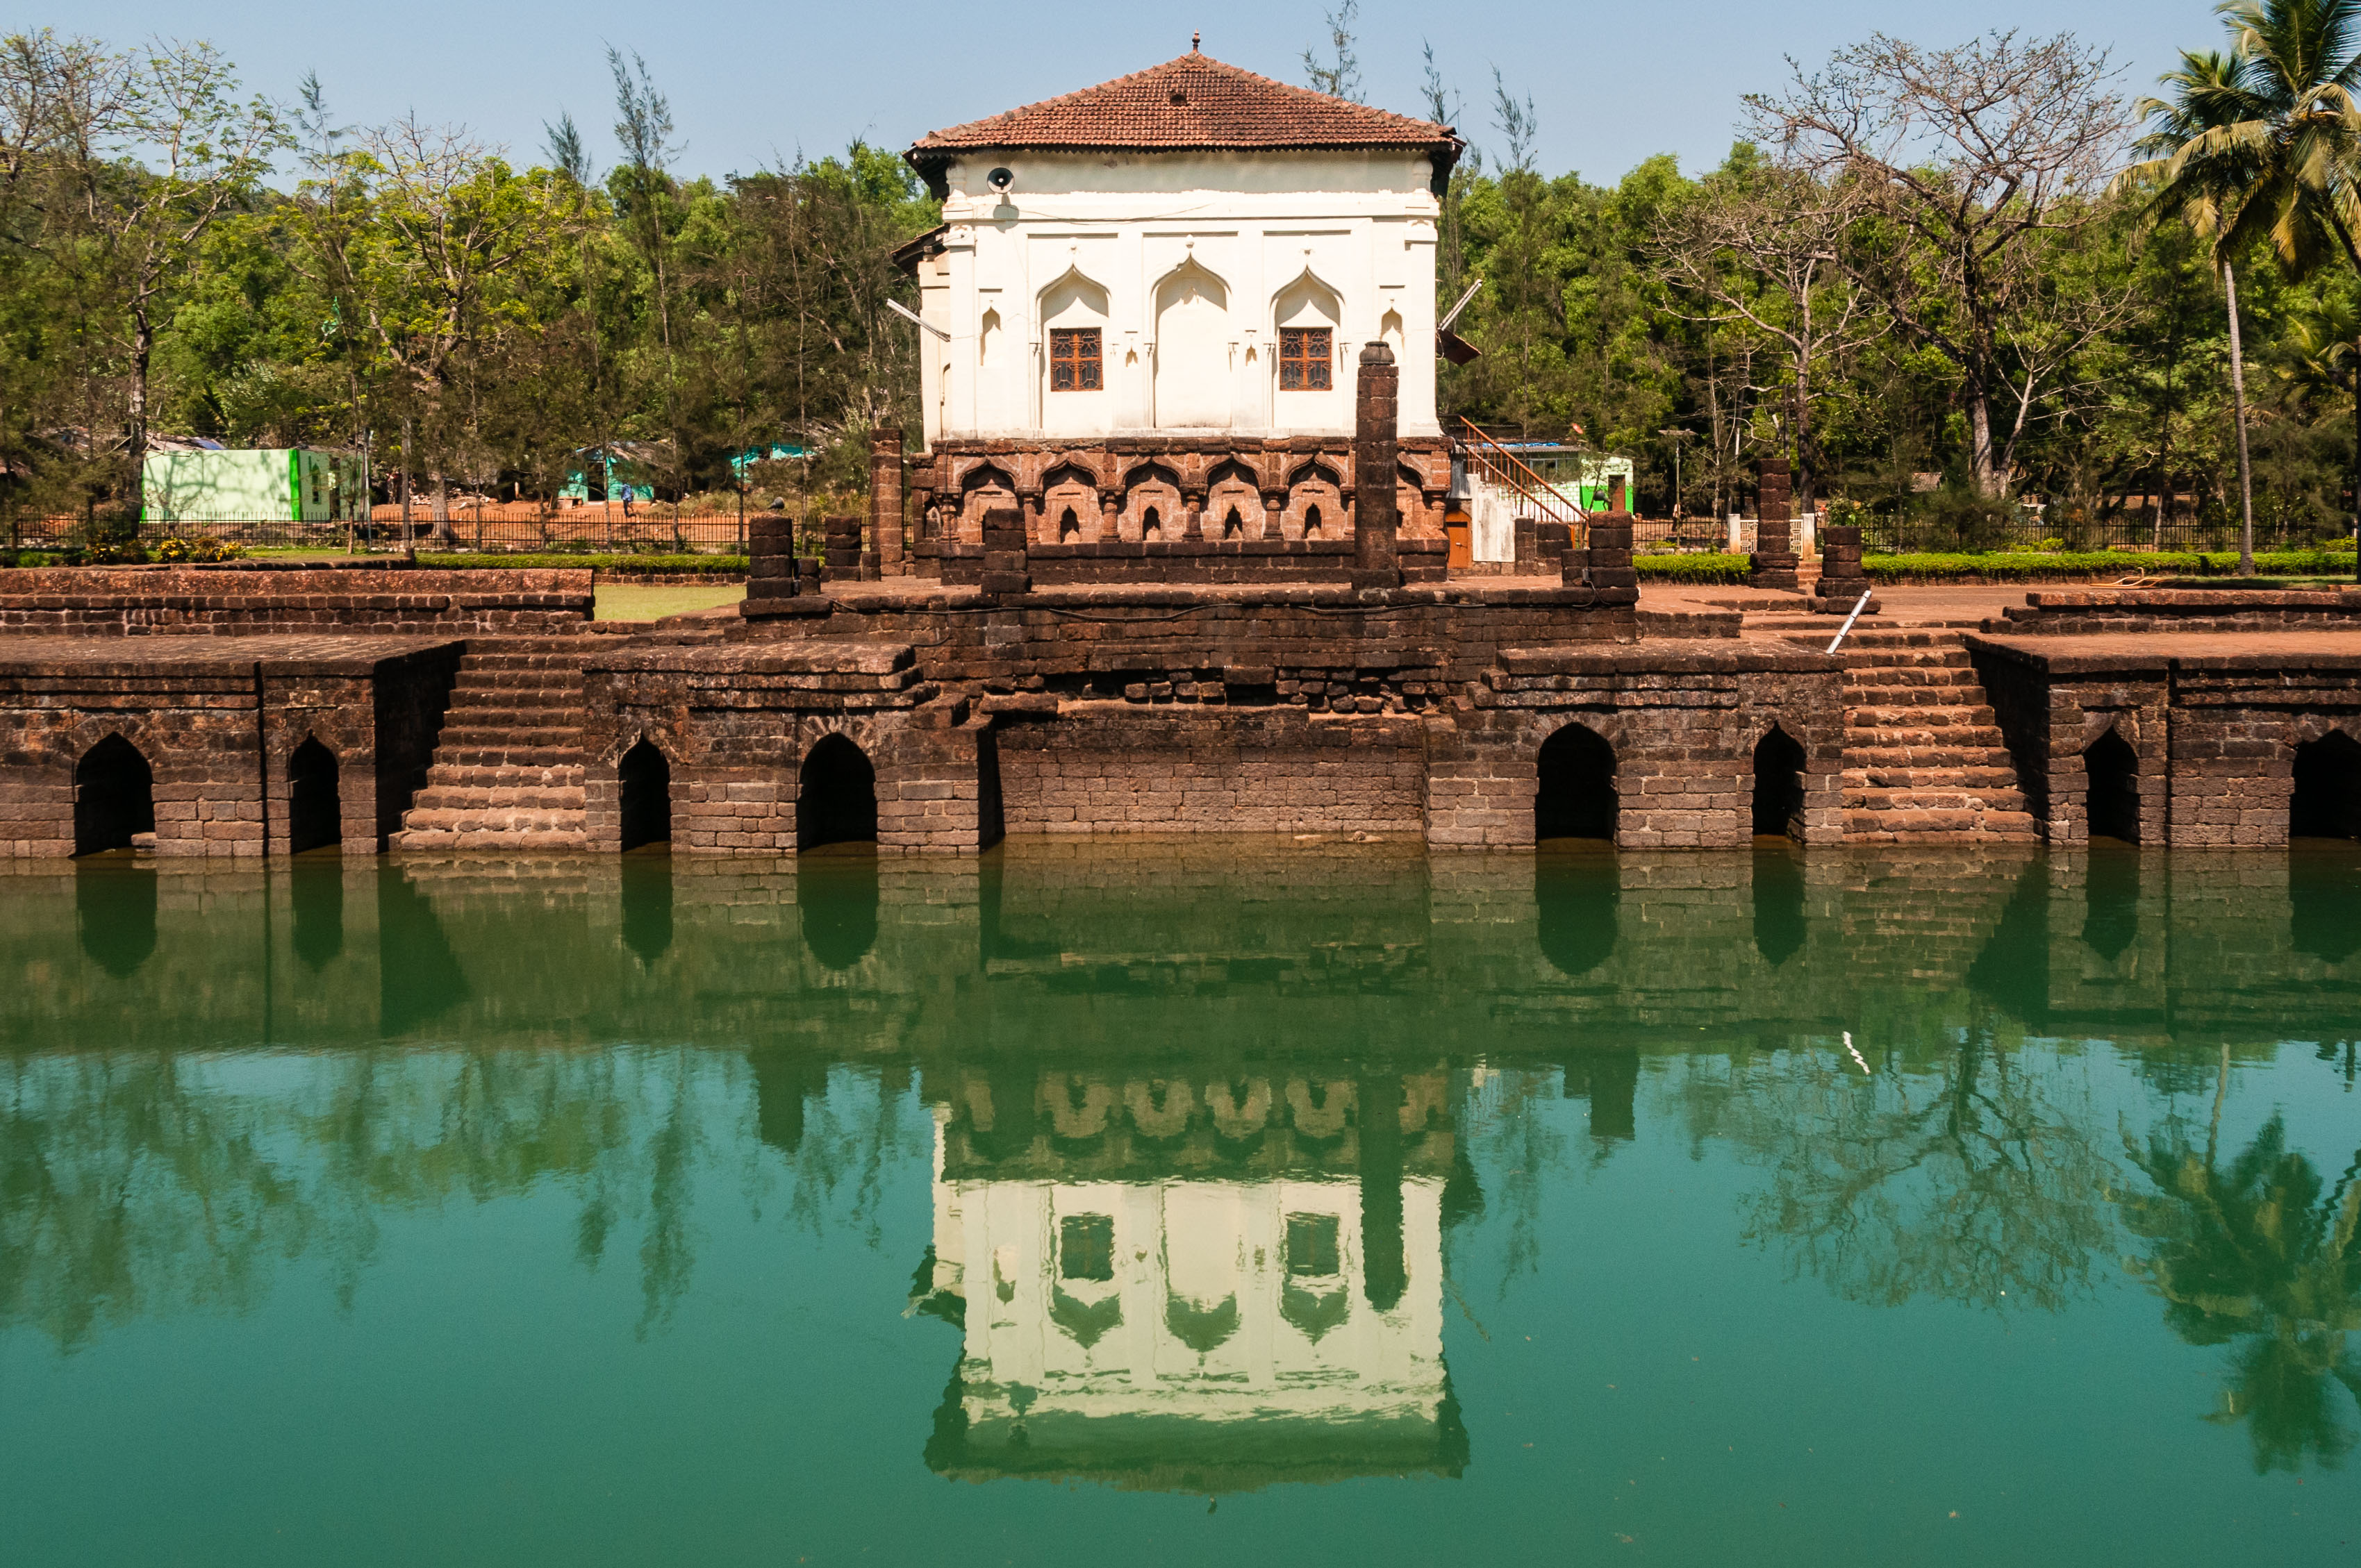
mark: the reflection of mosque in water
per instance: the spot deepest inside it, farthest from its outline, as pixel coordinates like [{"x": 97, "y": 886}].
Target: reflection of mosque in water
[{"x": 1194, "y": 1285}]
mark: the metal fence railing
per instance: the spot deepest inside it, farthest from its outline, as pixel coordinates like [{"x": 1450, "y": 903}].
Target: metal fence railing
[{"x": 644, "y": 528}]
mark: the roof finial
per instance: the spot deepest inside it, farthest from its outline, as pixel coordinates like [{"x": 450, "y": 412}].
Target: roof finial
[{"x": 1194, "y": 39}]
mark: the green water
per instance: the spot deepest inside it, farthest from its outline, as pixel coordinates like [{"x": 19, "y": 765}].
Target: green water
[{"x": 1222, "y": 1202}]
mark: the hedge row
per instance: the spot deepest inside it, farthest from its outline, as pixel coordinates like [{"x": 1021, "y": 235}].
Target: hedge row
[
  {"x": 2022, "y": 565},
  {"x": 1693, "y": 568}
]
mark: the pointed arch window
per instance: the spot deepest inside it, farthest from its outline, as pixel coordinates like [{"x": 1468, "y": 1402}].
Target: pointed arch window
[
  {"x": 1305, "y": 356},
  {"x": 1074, "y": 362}
]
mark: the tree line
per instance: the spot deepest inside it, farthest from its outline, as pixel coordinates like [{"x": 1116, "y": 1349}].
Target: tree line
[{"x": 1949, "y": 284}]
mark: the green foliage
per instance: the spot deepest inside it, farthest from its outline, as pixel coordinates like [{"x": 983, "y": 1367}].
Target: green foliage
[
  {"x": 177, "y": 550},
  {"x": 1699, "y": 568}
]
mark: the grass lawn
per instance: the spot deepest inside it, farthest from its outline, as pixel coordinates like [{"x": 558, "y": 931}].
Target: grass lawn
[{"x": 649, "y": 601}]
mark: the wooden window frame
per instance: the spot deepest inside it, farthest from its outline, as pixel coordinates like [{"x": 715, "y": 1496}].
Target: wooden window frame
[
  {"x": 1300, "y": 369},
  {"x": 1077, "y": 362}
]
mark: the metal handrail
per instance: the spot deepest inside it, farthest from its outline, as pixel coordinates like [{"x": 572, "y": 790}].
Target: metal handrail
[{"x": 1509, "y": 472}]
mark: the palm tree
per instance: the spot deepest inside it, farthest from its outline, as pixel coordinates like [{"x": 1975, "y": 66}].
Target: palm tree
[
  {"x": 2262, "y": 145},
  {"x": 2206, "y": 194}
]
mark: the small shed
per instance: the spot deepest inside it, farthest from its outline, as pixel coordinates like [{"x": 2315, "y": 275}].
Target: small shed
[{"x": 281, "y": 483}]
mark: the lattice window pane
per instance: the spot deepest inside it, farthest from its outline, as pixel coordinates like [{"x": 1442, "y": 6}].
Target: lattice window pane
[
  {"x": 1304, "y": 359},
  {"x": 1074, "y": 365}
]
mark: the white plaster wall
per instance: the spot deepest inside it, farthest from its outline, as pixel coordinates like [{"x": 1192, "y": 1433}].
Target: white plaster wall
[{"x": 1188, "y": 263}]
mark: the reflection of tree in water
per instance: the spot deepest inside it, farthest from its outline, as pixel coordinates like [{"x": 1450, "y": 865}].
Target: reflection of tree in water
[
  {"x": 1969, "y": 1178},
  {"x": 1519, "y": 1147},
  {"x": 2258, "y": 1256},
  {"x": 146, "y": 1184}
]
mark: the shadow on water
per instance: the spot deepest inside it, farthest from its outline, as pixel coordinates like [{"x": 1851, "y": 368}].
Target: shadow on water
[
  {"x": 315, "y": 888},
  {"x": 1577, "y": 893},
  {"x": 837, "y": 891},
  {"x": 2012, "y": 970},
  {"x": 114, "y": 912},
  {"x": 418, "y": 978},
  {"x": 647, "y": 903}
]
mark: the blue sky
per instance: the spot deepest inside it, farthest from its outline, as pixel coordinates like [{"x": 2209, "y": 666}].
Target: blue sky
[{"x": 750, "y": 85}]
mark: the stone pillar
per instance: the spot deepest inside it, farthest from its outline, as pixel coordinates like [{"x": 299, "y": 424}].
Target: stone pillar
[
  {"x": 1775, "y": 546},
  {"x": 885, "y": 500},
  {"x": 840, "y": 551},
  {"x": 1607, "y": 564},
  {"x": 1007, "y": 567},
  {"x": 1524, "y": 547},
  {"x": 1376, "y": 515},
  {"x": 770, "y": 556},
  {"x": 1843, "y": 580},
  {"x": 1615, "y": 496},
  {"x": 1108, "y": 506}
]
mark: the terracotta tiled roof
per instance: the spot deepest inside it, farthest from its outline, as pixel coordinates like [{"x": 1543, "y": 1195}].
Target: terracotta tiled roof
[{"x": 1193, "y": 101}]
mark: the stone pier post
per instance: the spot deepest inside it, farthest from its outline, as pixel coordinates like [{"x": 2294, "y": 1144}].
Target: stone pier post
[
  {"x": 885, "y": 500},
  {"x": 1376, "y": 516}
]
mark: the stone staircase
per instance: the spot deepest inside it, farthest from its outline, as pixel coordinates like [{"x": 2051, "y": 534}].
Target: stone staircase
[
  {"x": 1924, "y": 759},
  {"x": 508, "y": 765}
]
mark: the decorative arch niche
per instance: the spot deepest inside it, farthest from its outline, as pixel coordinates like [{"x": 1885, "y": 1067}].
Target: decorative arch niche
[
  {"x": 1192, "y": 350},
  {"x": 1152, "y": 505},
  {"x": 1075, "y": 301},
  {"x": 981, "y": 490},
  {"x": 1308, "y": 302}
]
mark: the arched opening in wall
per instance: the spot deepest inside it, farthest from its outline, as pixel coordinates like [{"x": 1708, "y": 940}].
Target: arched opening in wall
[
  {"x": 1234, "y": 526},
  {"x": 1070, "y": 527},
  {"x": 2327, "y": 799},
  {"x": 644, "y": 786},
  {"x": 314, "y": 812},
  {"x": 1151, "y": 524},
  {"x": 115, "y": 797},
  {"x": 1779, "y": 785},
  {"x": 2112, "y": 804},
  {"x": 1312, "y": 521},
  {"x": 1575, "y": 797},
  {"x": 836, "y": 797}
]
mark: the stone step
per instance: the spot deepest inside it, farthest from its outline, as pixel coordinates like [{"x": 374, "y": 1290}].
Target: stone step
[
  {"x": 508, "y": 767},
  {"x": 501, "y": 838},
  {"x": 495, "y": 818},
  {"x": 537, "y": 757},
  {"x": 1940, "y": 827},
  {"x": 1864, "y": 759},
  {"x": 488, "y": 776},
  {"x": 1887, "y": 799},
  {"x": 1978, "y": 775},
  {"x": 1863, "y": 660},
  {"x": 1947, "y": 695},
  {"x": 471, "y": 682},
  {"x": 537, "y": 719},
  {"x": 1932, "y": 716},
  {"x": 517, "y": 795},
  {"x": 1933, "y": 675}
]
